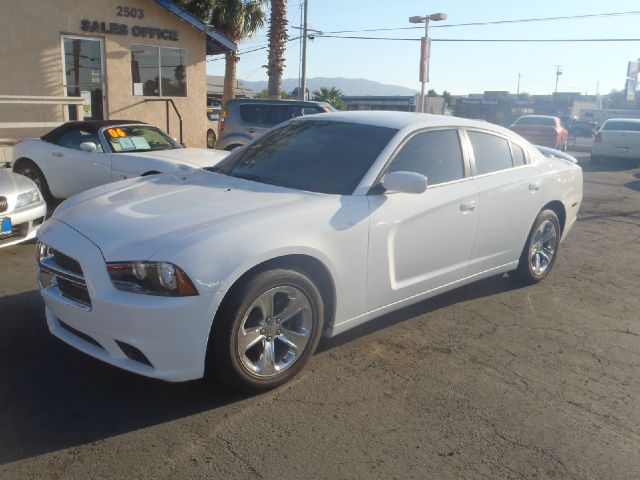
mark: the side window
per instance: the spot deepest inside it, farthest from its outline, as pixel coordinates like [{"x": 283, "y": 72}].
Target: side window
[
  {"x": 311, "y": 110},
  {"x": 518, "y": 155},
  {"x": 490, "y": 152},
  {"x": 74, "y": 138},
  {"x": 436, "y": 155}
]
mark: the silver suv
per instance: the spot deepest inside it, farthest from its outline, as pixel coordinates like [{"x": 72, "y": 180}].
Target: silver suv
[{"x": 245, "y": 119}]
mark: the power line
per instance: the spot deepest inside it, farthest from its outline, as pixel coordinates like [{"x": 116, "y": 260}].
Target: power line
[
  {"x": 264, "y": 47},
  {"x": 499, "y": 22},
  {"x": 505, "y": 40}
]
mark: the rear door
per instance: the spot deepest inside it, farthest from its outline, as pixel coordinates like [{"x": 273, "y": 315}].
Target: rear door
[
  {"x": 419, "y": 242},
  {"x": 510, "y": 197}
]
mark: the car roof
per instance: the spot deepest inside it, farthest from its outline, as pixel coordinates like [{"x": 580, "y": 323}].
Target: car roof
[
  {"x": 268, "y": 101},
  {"x": 400, "y": 120},
  {"x": 539, "y": 116},
  {"x": 91, "y": 126},
  {"x": 635, "y": 120}
]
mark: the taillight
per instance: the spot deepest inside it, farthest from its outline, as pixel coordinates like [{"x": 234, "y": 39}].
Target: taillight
[
  {"x": 598, "y": 138},
  {"x": 222, "y": 118}
]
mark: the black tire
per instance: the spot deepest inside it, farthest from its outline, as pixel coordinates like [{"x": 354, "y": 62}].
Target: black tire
[
  {"x": 223, "y": 356},
  {"x": 211, "y": 139},
  {"x": 526, "y": 272},
  {"x": 30, "y": 170}
]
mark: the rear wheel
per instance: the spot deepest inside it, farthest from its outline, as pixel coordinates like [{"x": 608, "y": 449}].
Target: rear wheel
[
  {"x": 540, "y": 251},
  {"x": 267, "y": 330},
  {"x": 33, "y": 172},
  {"x": 211, "y": 138}
]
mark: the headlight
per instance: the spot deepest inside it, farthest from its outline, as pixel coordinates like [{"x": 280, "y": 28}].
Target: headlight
[
  {"x": 28, "y": 198},
  {"x": 151, "y": 278}
]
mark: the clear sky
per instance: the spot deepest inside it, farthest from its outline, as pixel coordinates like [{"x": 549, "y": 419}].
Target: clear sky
[{"x": 460, "y": 68}]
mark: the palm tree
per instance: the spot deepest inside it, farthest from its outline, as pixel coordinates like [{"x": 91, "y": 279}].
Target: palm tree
[
  {"x": 236, "y": 20},
  {"x": 330, "y": 95},
  {"x": 277, "y": 41}
]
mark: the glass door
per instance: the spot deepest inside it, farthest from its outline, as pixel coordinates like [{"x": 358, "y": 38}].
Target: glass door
[{"x": 84, "y": 75}]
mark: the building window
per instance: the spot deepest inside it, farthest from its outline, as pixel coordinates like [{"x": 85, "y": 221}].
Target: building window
[{"x": 159, "y": 71}]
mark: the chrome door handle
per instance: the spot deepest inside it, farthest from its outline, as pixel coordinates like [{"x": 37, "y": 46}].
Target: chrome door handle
[
  {"x": 251, "y": 130},
  {"x": 534, "y": 187},
  {"x": 56, "y": 154},
  {"x": 468, "y": 207}
]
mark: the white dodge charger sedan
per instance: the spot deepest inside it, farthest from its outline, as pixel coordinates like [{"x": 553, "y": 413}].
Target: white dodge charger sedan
[
  {"x": 77, "y": 156},
  {"x": 320, "y": 225}
]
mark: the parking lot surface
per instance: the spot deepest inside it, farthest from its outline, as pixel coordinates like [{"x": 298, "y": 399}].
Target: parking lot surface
[{"x": 493, "y": 380}]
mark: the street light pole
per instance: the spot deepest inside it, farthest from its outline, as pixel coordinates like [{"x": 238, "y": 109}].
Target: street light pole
[{"x": 425, "y": 51}]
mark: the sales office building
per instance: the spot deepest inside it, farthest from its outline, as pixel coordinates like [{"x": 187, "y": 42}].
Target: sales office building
[{"x": 127, "y": 60}]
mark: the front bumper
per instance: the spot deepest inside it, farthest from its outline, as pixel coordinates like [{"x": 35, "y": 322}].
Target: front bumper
[
  {"x": 171, "y": 333},
  {"x": 25, "y": 222}
]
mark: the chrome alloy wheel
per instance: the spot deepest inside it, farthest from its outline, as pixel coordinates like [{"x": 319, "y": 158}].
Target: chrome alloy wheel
[
  {"x": 543, "y": 247},
  {"x": 274, "y": 331}
]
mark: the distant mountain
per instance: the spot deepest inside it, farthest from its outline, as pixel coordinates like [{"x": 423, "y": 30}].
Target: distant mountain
[{"x": 348, "y": 86}]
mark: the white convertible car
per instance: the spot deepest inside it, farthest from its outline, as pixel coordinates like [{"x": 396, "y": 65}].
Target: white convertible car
[
  {"x": 322, "y": 224},
  {"x": 77, "y": 156}
]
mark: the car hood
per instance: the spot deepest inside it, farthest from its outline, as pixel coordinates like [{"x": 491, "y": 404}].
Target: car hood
[
  {"x": 194, "y": 157},
  {"x": 12, "y": 184},
  {"x": 133, "y": 219}
]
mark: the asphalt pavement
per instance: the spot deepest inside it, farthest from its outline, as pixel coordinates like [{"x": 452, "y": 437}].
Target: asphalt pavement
[{"x": 493, "y": 380}]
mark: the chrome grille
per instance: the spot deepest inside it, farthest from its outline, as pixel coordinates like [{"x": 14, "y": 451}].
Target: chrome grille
[{"x": 61, "y": 277}]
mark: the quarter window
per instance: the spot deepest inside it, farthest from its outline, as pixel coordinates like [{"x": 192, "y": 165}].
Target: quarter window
[
  {"x": 491, "y": 153},
  {"x": 518, "y": 155},
  {"x": 159, "y": 71},
  {"x": 266, "y": 114},
  {"x": 436, "y": 155}
]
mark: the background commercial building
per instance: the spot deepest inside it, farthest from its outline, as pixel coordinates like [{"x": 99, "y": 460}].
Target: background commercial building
[{"x": 142, "y": 60}]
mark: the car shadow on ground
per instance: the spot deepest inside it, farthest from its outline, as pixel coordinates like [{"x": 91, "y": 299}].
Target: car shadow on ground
[
  {"x": 483, "y": 288},
  {"x": 53, "y": 397}
]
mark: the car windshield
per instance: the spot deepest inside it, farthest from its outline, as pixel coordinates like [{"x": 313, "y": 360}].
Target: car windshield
[
  {"x": 138, "y": 138},
  {"x": 317, "y": 156},
  {"x": 536, "y": 121}
]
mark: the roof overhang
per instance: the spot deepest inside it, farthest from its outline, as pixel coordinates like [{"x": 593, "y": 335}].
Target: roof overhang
[{"x": 216, "y": 42}]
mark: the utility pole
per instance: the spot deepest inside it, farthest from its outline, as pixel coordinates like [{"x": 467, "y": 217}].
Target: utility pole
[
  {"x": 518, "y": 92},
  {"x": 302, "y": 94},
  {"x": 558, "y": 73}
]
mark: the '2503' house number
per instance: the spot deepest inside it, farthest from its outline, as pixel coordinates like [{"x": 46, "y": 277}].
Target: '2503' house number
[{"x": 123, "y": 29}]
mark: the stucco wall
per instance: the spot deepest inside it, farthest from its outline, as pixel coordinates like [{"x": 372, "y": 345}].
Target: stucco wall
[{"x": 31, "y": 62}]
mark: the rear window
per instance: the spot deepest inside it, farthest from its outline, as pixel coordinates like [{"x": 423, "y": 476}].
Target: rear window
[
  {"x": 550, "y": 122},
  {"x": 621, "y": 125}
]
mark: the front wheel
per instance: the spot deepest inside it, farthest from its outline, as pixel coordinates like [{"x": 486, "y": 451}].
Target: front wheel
[
  {"x": 266, "y": 332},
  {"x": 540, "y": 251}
]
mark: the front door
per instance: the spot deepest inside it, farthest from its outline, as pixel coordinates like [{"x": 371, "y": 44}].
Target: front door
[
  {"x": 84, "y": 75},
  {"x": 419, "y": 242}
]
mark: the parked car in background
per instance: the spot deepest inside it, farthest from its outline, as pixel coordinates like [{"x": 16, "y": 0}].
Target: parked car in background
[
  {"x": 77, "y": 156},
  {"x": 578, "y": 128},
  {"x": 618, "y": 138},
  {"x": 324, "y": 223},
  {"x": 213, "y": 118},
  {"x": 22, "y": 209},
  {"x": 542, "y": 130},
  {"x": 248, "y": 118}
]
